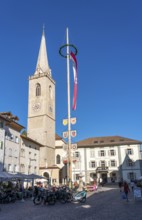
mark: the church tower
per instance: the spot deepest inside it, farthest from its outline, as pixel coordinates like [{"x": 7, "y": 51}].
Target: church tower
[{"x": 41, "y": 107}]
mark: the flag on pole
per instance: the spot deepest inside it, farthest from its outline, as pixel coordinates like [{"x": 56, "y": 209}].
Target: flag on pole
[{"x": 73, "y": 57}]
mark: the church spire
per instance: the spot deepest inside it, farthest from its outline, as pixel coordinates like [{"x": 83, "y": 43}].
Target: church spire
[{"x": 42, "y": 62}]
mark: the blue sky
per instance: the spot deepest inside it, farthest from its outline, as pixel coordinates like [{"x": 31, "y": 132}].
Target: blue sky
[{"x": 108, "y": 35}]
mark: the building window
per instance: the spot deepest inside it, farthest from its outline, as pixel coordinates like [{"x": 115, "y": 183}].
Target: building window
[
  {"x": 50, "y": 92},
  {"x": 1, "y": 124},
  {"x": 112, "y": 153},
  {"x": 58, "y": 159},
  {"x": 9, "y": 168},
  {"x": 102, "y": 153},
  {"x": 29, "y": 169},
  {"x": 92, "y": 164},
  {"x": 35, "y": 168},
  {"x": 12, "y": 137},
  {"x": 77, "y": 165},
  {"x": 130, "y": 163},
  {"x": 15, "y": 153},
  {"x": 15, "y": 168},
  {"x": 10, "y": 152},
  {"x": 131, "y": 176},
  {"x": 129, "y": 151},
  {"x": 113, "y": 163},
  {"x": 112, "y": 140},
  {"x": 76, "y": 154},
  {"x": 92, "y": 153},
  {"x": 38, "y": 90},
  {"x": 1, "y": 145},
  {"x": 102, "y": 164},
  {"x": 22, "y": 152},
  {"x": 77, "y": 176},
  {"x": 22, "y": 168},
  {"x": 16, "y": 139}
]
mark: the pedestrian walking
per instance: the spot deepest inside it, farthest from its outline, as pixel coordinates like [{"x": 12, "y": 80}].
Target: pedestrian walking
[
  {"x": 126, "y": 190},
  {"x": 132, "y": 184},
  {"x": 120, "y": 184}
]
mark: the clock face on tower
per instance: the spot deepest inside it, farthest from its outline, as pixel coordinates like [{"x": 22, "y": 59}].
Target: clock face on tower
[{"x": 36, "y": 106}]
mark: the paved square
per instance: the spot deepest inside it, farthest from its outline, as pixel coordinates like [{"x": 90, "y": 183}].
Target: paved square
[{"x": 101, "y": 205}]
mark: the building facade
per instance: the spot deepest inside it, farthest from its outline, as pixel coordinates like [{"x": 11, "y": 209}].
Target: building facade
[
  {"x": 10, "y": 142},
  {"x": 106, "y": 158},
  {"x": 29, "y": 155},
  {"x": 18, "y": 153}
]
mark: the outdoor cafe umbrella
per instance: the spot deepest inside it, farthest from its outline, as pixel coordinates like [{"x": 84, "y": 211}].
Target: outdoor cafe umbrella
[
  {"x": 21, "y": 176},
  {"x": 6, "y": 175},
  {"x": 35, "y": 176}
]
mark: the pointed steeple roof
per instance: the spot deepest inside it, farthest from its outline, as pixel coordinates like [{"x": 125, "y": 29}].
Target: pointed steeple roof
[{"x": 42, "y": 62}]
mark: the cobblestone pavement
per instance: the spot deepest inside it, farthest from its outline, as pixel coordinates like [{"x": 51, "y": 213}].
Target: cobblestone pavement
[{"x": 101, "y": 205}]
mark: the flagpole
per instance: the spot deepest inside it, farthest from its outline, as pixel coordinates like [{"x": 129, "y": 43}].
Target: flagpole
[
  {"x": 69, "y": 168},
  {"x": 69, "y": 55}
]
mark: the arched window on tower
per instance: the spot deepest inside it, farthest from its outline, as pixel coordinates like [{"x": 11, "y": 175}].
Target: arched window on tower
[
  {"x": 38, "y": 89},
  {"x": 58, "y": 159},
  {"x": 50, "y": 92}
]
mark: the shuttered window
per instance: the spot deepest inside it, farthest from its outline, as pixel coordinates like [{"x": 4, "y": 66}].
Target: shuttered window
[
  {"x": 112, "y": 152},
  {"x": 92, "y": 153},
  {"x": 129, "y": 151},
  {"x": 92, "y": 164},
  {"x": 113, "y": 163}
]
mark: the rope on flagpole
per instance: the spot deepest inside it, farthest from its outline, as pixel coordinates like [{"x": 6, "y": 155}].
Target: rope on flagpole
[{"x": 66, "y": 45}]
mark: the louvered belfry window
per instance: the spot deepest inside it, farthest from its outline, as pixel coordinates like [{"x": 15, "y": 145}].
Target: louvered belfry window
[{"x": 38, "y": 89}]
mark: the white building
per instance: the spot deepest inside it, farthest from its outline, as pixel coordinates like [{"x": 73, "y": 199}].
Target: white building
[
  {"x": 110, "y": 158},
  {"x": 2, "y": 139},
  {"x": 59, "y": 156},
  {"x": 18, "y": 153},
  {"x": 29, "y": 155},
  {"x": 10, "y": 142}
]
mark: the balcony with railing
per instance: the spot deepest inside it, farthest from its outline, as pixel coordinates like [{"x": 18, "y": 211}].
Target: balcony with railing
[{"x": 102, "y": 169}]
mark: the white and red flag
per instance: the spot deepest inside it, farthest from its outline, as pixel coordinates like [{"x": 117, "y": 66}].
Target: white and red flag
[{"x": 73, "y": 57}]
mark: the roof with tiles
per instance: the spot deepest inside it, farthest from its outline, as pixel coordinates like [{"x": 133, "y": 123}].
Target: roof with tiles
[
  {"x": 107, "y": 141},
  {"x": 11, "y": 120},
  {"x": 57, "y": 137}
]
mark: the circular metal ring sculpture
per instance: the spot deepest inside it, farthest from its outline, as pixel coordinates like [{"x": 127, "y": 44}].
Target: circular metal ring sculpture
[{"x": 66, "y": 45}]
